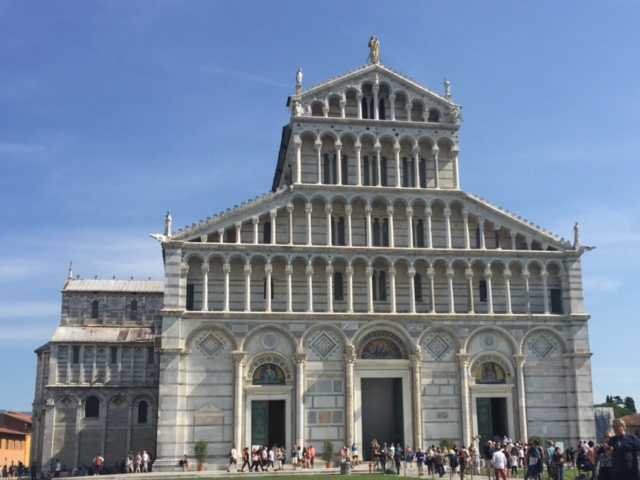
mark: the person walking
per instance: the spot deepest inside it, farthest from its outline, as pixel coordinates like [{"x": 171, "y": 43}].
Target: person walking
[
  {"x": 499, "y": 463},
  {"x": 626, "y": 450}
]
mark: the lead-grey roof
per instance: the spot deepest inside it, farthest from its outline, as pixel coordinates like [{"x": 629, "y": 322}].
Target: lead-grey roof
[{"x": 97, "y": 285}]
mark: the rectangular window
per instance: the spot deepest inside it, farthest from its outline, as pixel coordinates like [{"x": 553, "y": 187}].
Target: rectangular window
[
  {"x": 190, "y": 296},
  {"x": 337, "y": 286},
  {"x": 383, "y": 172},
  {"x": 334, "y": 168},
  {"x": 423, "y": 173},
  {"x": 113, "y": 355},
  {"x": 345, "y": 169},
  {"x": 150, "y": 355},
  {"x": 326, "y": 167},
  {"x": 76, "y": 354},
  {"x": 405, "y": 172},
  {"x": 556, "y": 300},
  {"x": 385, "y": 232}
]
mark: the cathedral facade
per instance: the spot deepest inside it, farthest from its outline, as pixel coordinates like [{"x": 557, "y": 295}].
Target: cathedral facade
[{"x": 365, "y": 296}]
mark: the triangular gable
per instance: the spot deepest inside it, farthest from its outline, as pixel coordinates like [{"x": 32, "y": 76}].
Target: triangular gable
[{"x": 365, "y": 69}]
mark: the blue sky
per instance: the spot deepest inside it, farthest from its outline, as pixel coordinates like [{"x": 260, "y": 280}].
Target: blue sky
[{"x": 113, "y": 112}]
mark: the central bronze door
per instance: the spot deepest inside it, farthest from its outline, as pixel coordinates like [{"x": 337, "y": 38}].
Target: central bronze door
[{"x": 382, "y": 416}]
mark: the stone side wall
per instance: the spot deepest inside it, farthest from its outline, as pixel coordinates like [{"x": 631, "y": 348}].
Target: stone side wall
[{"x": 115, "y": 308}]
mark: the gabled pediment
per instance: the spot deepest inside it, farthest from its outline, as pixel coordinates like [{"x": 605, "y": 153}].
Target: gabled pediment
[{"x": 375, "y": 73}]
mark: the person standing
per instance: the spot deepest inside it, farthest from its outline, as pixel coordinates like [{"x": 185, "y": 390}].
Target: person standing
[
  {"x": 499, "y": 463},
  {"x": 626, "y": 449},
  {"x": 557, "y": 460}
]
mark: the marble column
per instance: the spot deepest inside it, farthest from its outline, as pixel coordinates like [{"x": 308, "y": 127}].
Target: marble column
[
  {"x": 522, "y": 405},
  {"x": 328, "y": 210},
  {"x": 412, "y": 289},
  {"x": 297, "y": 141},
  {"x": 447, "y": 221},
  {"x": 348, "y": 210},
  {"x": 396, "y": 154},
  {"x": 247, "y": 286},
  {"x": 309, "y": 273},
  {"x": 255, "y": 221},
  {"x": 483, "y": 241},
  {"x": 369, "y": 272},
  {"x": 545, "y": 291},
  {"x": 205, "y": 286},
  {"x": 343, "y": 105},
  {"x": 349, "y": 272},
  {"x": 358, "y": 147},
  {"x": 318, "y": 148},
  {"x": 238, "y": 383},
  {"x": 338, "y": 146},
  {"x": 409, "y": 214},
  {"x": 226, "y": 268},
  {"x": 308, "y": 208},
  {"x": 465, "y": 224},
  {"x": 455, "y": 152},
  {"x": 469, "y": 276},
  {"x": 289, "y": 272},
  {"x": 238, "y": 227},
  {"x": 392, "y": 242},
  {"x": 290, "y": 223},
  {"x": 392, "y": 288},
  {"x": 428, "y": 212},
  {"x": 452, "y": 302},
  {"x": 377, "y": 147},
  {"x": 376, "y": 114},
  {"x": 527, "y": 289},
  {"x": 392, "y": 110},
  {"x": 463, "y": 360},
  {"x": 435, "y": 151},
  {"x": 273, "y": 215},
  {"x": 416, "y": 364},
  {"x": 221, "y": 235},
  {"x": 507, "y": 287},
  {"x": 431, "y": 273},
  {"x": 329, "y": 274},
  {"x": 487, "y": 279},
  {"x": 268, "y": 269},
  {"x": 416, "y": 166},
  {"x": 359, "y": 100},
  {"x": 300, "y": 363},
  {"x": 367, "y": 211},
  {"x": 349, "y": 362}
]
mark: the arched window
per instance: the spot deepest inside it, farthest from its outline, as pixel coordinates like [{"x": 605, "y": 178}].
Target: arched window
[
  {"x": 417, "y": 285},
  {"x": 382, "y": 286},
  {"x": 489, "y": 373},
  {"x": 381, "y": 348},
  {"x": 143, "y": 412},
  {"x": 381, "y": 111},
  {"x": 405, "y": 172},
  {"x": 190, "y": 296},
  {"x": 383, "y": 172},
  {"x": 385, "y": 232},
  {"x": 374, "y": 281},
  {"x": 365, "y": 110},
  {"x": 338, "y": 286},
  {"x": 92, "y": 407},
  {"x": 434, "y": 115},
  {"x": 423, "y": 173},
  {"x": 133, "y": 310},
  {"x": 366, "y": 171},
  {"x": 337, "y": 231},
  {"x": 95, "y": 309},
  {"x": 268, "y": 374},
  {"x": 316, "y": 109}
]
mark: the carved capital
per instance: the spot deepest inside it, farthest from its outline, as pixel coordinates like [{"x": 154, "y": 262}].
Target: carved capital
[
  {"x": 255, "y": 220},
  {"x": 390, "y": 210},
  {"x": 349, "y": 353},
  {"x": 273, "y": 213},
  {"x": 411, "y": 271},
  {"x": 348, "y": 209},
  {"x": 300, "y": 357},
  {"x": 506, "y": 274},
  {"x": 328, "y": 209},
  {"x": 468, "y": 273},
  {"x": 226, "y": 267},
  {"x": 329, "y": 270},
  {"x": 447, "y": 212},
  {"x": 268, "y": 268},
  {"x": 308, "y": 207},
  {"x": 309, "y": 270},
  {"x": 369, "y": 271},
  {"x": 297, "y": 140},
  {"x": 409, "y": 211},
  {"x": 247, "y": 268},
  {"x": 204, "y": 268},
  {"x": 184, "y": 269},
  {"x": 431, "y": 272},
  {"x": 450, "y": 272},
  {"x": 288, "y": 269},
  {"x": 289, "y": 207},
  {"x": 396, "y": 147},
  {"x": 487, "y": 273},
  {"x": 238, "y": 356}
]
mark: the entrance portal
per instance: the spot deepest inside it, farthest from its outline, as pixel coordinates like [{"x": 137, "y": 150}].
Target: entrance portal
[
  {"x": 381, "y": 412},
  {"x": 268, "y": 423},
  {"x": 492, "y": 418}
]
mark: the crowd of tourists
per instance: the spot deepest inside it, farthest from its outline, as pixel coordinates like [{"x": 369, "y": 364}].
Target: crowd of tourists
[
  {"x": 261, "y": 459},
  {"x": 134, "y": 462}
]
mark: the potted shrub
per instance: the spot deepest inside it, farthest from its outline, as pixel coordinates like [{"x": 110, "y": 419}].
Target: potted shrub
[
  {"x": 201, "y": 454},
  {"x": 327, "y": 453}
]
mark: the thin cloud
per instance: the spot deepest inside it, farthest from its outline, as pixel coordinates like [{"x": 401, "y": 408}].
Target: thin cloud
[
  {"x": 240, "y": 75},
  {"x": 16, "y": 148}
]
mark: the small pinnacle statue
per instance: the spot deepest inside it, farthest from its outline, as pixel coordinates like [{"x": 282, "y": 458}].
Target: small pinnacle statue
[
  {"x": 299, "y": 78},
  {"x": 70, "y": 272},
  {"x": 168, "y": 221},
  {"x": 447, "y": 88},
  {"x": 576, "y": 235},
  {"x": 374, "y": 50}
]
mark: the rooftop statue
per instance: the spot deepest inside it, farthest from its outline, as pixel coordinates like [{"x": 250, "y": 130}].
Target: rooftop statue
[
  {"x": 374, "y": 50},
  {"x": 168, "y": 221},
  {"x": 299, "y": 77},
  {"x": 447, "y": 88}
]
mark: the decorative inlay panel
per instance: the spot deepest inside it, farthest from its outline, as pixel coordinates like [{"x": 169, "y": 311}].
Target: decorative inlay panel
[{"x": 210, "y": 345}]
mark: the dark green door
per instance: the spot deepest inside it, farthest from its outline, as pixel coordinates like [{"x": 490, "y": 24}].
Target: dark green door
[
  {"x": 268, "y": 423},
  {"x": 492, "y": 418},
  {"x": 382, "y": 417}
]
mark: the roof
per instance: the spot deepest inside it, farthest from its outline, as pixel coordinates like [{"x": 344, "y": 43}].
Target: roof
[
  {"x": 12, "y": 432},
  {"x": 23, "y": 417},
  {"x": 105, "y": 334},
  {"x": 97, "y": 285},
  {"x": 632, "y": 420}
]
